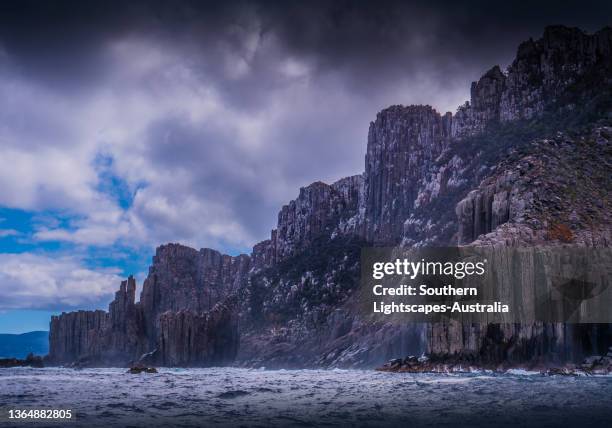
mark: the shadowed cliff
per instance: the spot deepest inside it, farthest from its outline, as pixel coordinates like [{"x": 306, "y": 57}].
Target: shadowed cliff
[{"x": 525, "y": 162}]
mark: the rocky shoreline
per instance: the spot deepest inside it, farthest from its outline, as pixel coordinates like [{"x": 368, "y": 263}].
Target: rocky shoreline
[
  {"x": 30, "y": 361},
  {"x": 593, "y": 365}
]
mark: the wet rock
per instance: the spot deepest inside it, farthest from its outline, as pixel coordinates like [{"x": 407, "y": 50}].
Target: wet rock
[
  {"x": 423, "y": 359},
  {"x": 34, "y": 361},
  {"x": 430, "y": 364},
  {"x": 560, "y": 371},
  {"x": 592, "y": 365},
  {"x": 397, "y": 362},
  {"x": 597, "y": 365},
  {"x": 141, "y": 369}
]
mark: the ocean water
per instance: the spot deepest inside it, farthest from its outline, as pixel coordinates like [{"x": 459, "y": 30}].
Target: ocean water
[{"x": 264, "y": 398}]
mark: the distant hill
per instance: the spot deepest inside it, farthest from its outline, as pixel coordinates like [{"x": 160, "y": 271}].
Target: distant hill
[{"x": 20, "y": 345}]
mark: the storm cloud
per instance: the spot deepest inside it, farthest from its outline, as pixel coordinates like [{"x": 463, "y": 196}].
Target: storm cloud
[{"x": 146, "y": 122}]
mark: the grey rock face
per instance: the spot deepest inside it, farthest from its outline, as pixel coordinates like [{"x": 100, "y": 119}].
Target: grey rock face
[
  {"x": 556, "y": 191},
  {"x": 421, "y": 187},
  {"x": 538, "y": 79},
  {"x": 73, "y": 335},
  {"x": 185, "y": 289},
  {"x": 511, "y": 344},
  {"x": 319, "y": 209},
  {"x": 98, "y": 336},
  {"x": 430, "y": 179},
  {"x": 545, "y": 68},
  {"x": 535, "y": 199},
  {"x": 403, "y": 143},
  {"x": 182, "y": 278},
  {"x": 305, "y": 217},
  {"x": 486, "y": 207},
  {"x": 484, "y": 110},
  {"x": 193, "y": 339}
]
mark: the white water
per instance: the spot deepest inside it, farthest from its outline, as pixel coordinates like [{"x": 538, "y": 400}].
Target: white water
[{"x": 234, "y": 397}]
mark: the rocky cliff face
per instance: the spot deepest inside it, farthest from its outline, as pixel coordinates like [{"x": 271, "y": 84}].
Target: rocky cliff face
[
  {"x": 93, "y": 336},
  {"x": 403, "y": 144},
  {"x": 543, "y": 71},
  {"x": 475, "y": 176},
  {"x": 188, "y": 338},
  {"x": 319, "y": 209},
  {"x": 74, "y": 335},
  {"x": 539, "y": 80},
  {"x": 186, "y": 315},
  {"x": 554, "y": 191},
  {"x": 498, "y": 172},
  {"x": 484, "y": 109},
  {"x": 556, "y": 184},
  {"x": 184, "y": 279}
]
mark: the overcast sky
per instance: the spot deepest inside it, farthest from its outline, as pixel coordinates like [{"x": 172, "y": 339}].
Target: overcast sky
[{"x": 125, "y": 125}]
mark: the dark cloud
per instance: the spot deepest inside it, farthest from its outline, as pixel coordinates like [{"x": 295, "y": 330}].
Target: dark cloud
[
  {"x": 215, "y": 113},
  {"x": 371, "y": 42},
  {"x": 217, "y": 168}
]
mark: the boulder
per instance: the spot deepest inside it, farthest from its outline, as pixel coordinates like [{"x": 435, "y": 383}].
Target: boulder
[{"x": 142, "y": 369}]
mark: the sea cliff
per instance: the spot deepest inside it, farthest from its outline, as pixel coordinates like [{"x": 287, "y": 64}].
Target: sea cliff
[{"x": 525, "y": 162}]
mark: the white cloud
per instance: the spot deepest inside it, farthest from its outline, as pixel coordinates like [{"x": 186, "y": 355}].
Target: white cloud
[
  {"x": 33, "y": 281},
  {"x": 8, "y": 232},
  {"x": 208, "y": 135},
  {"x": 209, "y": 157}
]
